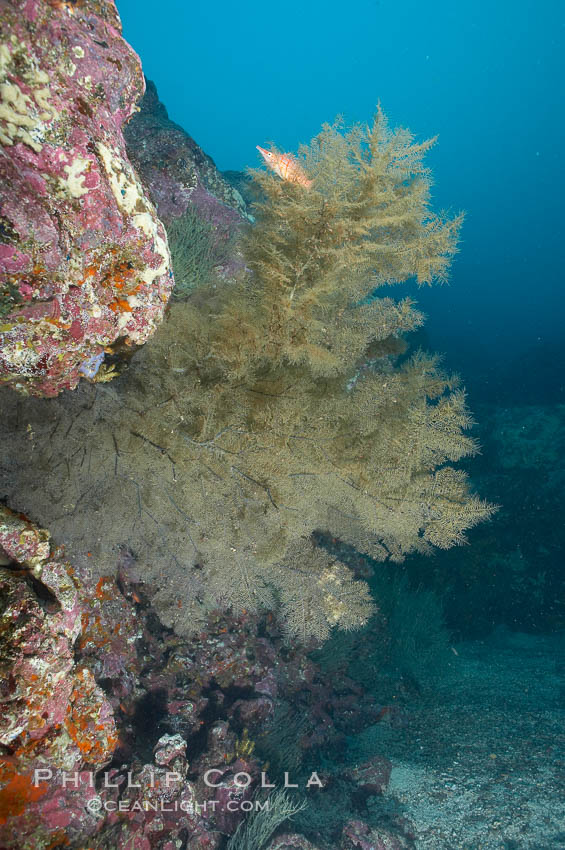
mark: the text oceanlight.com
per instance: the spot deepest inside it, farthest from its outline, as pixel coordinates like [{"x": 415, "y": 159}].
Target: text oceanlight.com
[{"x": 97, "y": 804}]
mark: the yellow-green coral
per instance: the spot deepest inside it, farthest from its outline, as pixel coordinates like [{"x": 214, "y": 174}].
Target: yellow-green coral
[{"x": 243, "y": 749}]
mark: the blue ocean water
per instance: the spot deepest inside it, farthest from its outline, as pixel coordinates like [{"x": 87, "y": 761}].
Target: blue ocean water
[{"x": 486, "y": 77}]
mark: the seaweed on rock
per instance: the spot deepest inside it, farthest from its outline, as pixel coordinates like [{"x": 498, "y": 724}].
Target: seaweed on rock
[{"x": 278, "y": 406}]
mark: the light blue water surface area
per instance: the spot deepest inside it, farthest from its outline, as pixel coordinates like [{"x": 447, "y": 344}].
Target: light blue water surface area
[{"x": 488, "y": 77}]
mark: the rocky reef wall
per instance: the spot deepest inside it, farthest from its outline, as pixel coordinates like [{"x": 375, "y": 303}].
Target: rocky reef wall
[
  {"x": 203, "y": 213},
  {"x": 84, "y": 260}
]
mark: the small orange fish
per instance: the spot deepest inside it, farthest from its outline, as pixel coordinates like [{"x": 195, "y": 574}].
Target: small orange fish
[{"x": 285, "y": 165}]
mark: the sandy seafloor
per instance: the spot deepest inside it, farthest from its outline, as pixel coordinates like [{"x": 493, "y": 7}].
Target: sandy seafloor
[{"x": 479, "y": 763}]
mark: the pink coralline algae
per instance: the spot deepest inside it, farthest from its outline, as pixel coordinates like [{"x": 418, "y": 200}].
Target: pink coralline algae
[
  {"x": 84, "y": 260},
  {"x": 54, "y": 718},
  {"x": 159, "y": 808}
]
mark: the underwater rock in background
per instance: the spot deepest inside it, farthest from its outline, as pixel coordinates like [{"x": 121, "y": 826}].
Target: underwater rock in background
[
  {"x": 175, "y": 170},
  {"x": 243, "y": 183},
  {"x": 202, "y": 212},
  {"x": 291, "y": 842},
  {"x": 357, "y": 835},
  {"x": 83, "y": 256},
  {"x": 530, "y": 437},
  {"x": 513, "y": 572},
  {"x": 372, "y": 777}
]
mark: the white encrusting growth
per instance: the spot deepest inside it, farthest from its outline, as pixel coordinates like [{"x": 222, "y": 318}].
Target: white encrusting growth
[
  {"x": 22, "y": 116},
  {"x": 131, "y": 200},
  {"x": 74, "y": 183}
]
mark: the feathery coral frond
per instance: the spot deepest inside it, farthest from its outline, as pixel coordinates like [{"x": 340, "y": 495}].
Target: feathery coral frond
[{"x": 276, "y": 407}]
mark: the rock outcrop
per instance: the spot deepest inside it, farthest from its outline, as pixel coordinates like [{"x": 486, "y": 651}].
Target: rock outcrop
[
  {"x": 84, "y": 260},
  {"x": 175, "y": 170},
  {"x": 202, "y": 211}
]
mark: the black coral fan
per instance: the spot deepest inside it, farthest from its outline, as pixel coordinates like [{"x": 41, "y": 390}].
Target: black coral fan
[
  {"x": 317, "y": 254},
  {"x": 299, "y": 416},
  {"x": 280, "y": 405}
]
